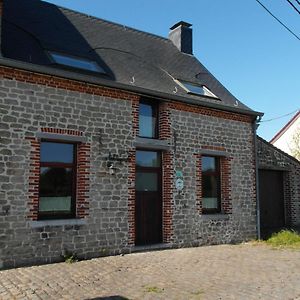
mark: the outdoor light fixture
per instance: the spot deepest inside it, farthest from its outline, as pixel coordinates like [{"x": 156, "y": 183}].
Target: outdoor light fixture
[
  {"x": 111, "y": 168},
  {"x": 112, "y": 160}
]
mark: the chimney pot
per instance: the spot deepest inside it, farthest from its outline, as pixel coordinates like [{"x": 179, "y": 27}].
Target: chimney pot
[{"x": 181, "y": 35}]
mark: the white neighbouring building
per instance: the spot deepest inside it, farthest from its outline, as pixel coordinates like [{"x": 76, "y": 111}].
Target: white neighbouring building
[{"x": 286, "y": 139}]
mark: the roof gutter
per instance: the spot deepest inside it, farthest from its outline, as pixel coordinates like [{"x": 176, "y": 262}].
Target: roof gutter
[
  {"x": 255, "y": 126},
  {"x": 112, "y": 84}
]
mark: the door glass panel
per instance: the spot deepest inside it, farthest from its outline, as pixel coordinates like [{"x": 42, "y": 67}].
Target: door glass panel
[
  {"x": 147, "y": 159},
  {"x": 146, "y": 182}
]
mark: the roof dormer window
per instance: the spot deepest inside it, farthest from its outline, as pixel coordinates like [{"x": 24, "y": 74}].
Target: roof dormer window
[
  {"x": 76, "y": 62},
  {"x": 195, "y": 89}
]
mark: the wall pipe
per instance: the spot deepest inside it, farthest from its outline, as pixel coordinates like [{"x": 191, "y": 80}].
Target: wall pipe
[{"x": 255, "y": 126}]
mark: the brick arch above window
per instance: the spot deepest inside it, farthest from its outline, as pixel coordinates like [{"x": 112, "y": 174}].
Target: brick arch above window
[
  {"x": 82, "y": 169},
  {"x": 225, "y": 179}
]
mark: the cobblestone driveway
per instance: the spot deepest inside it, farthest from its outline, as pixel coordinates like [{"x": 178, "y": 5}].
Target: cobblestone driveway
[{"x": 216, "y": 272}]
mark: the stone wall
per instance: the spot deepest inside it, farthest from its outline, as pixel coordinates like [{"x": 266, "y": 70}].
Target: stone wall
[
  {"x": 195, "y": 134},
  {"x": 272, "y": 158},
  {"x": 107, "y": 119},
  {"x": 107, "y": 124}
]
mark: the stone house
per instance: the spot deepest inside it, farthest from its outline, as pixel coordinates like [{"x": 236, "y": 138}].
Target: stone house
[{"x": 113, "y": 140}]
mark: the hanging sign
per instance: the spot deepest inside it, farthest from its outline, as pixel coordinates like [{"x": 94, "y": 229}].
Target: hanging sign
[{"x": 179, "y": 184}]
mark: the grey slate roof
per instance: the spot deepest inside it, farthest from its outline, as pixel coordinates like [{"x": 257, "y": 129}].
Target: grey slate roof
[{"x": 132, "y": 58}]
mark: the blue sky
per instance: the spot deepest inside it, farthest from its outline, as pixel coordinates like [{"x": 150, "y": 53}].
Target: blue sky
[{"x": 242, "y": 45}]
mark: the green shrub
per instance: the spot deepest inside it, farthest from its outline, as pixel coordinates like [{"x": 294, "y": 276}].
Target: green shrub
[
  {"x": 285, "y": 239},
  {"x": 70, "y": 257},
  {"x": 153, "y": 289}
]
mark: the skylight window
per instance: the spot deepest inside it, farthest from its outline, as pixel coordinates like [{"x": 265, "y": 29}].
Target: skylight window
[
  {"x": 76, "y": 62},
  {"x": 196, "y": 89}
]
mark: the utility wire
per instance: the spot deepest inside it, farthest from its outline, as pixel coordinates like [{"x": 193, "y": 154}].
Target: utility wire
[
  {"x": 298, "y": 1},
  {"x": 288, "y": 29},
  {"x": 295, "y": 8},
  {"x": 280, "y": 117}
]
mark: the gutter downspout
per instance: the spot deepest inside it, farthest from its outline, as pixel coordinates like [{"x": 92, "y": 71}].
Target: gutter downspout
[{"x": 255, "y": 126}]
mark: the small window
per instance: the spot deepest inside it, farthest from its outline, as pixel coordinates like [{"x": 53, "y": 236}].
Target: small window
[
  {"x": 76, "y": 62},
  {"x": 211, "y": 187},
  {"x": 196, "y": 89},
  {"x": 57, "y": 180},
  {"x": 148, "y": 120}
]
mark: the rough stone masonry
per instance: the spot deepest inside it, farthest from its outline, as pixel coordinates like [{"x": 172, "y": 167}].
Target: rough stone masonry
[{"x": 107, "y": 119}]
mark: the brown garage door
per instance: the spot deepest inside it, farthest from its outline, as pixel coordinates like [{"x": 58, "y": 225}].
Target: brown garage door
[{"x": 271, "y": 202}]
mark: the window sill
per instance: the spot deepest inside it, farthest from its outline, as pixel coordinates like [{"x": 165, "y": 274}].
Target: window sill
[
  {"x": 44, "y": 223},
  {"x": 208, "y": 217}
]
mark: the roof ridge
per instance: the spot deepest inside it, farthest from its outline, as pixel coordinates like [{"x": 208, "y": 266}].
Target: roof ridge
[
  {"x": 110, "y": 22},
  {"x": 285, "y": 127}
]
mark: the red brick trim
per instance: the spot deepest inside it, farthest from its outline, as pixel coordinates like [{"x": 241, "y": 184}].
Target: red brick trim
[
  {"x": 214, "y": 148},
  {"x": 83, "y": 87},
  {"x": 83, "y": 180},
  {"x": 62, "y": 131},
  {"x": 198, "y": 182},
  {"x": 168, "y": 202},
  {"x": 165, "y": 133},
  {"x": 225, "y": 169},
  {"x": 167, "y": 169},
  {"x": 226, "y": 203},
  {"x": 131, "y": 174},
  {"x": 131, "y": 198},
  {"x": 83, "y": 172},
  {"x": 135, "y": 116},
  {"x": 62, "y": 83},
  {"x": 34, "y": 178},
  {"x": 211, "y": 112}
]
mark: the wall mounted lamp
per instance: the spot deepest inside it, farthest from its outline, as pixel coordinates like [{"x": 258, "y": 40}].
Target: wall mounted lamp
[{"x": 111, "y": 168}]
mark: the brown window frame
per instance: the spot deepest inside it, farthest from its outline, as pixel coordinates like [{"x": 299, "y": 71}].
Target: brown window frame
[
  {"x": 73, "y": 166},
  {"x": 155, "y": 114},
  {"x": 217, "y": 174}
]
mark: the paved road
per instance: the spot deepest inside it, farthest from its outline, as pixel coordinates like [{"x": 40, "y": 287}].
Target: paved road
[{"x": 216, "y": 272}]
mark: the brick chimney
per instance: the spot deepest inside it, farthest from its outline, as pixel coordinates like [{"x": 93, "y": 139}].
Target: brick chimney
[{"x": 181, "y": 35}]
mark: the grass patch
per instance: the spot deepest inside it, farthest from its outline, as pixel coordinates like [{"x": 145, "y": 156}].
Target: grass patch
[
  {"x": 153, "y": 289},
  {"x": 284, "y": 239},
  {"x": 70, "y": 257}
]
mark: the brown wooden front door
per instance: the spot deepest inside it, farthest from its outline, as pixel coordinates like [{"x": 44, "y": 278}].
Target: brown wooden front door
[
  {"x": 271, "y": 202},
  {"x": 148, "y": 195}
]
